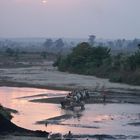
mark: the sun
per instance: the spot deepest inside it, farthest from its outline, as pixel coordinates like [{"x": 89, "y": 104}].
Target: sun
[{"x": 44, "y": 1}]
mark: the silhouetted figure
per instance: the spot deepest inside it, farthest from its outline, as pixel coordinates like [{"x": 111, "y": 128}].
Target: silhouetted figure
[
  {"x": 69, "y": 136},
  {"x": 104, "y": 94}
]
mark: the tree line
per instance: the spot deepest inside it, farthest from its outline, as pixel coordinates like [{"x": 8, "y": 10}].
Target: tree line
[{"x": 89, "y": 60}]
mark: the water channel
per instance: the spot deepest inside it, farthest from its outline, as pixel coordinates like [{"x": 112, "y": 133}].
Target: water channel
[{"x": 109, "y": 119}]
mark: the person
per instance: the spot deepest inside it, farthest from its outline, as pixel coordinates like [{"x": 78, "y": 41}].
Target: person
[
  {"x": 104, "y": 94},
  {"x": 69, "y": 136},
  {"x": 46, "y": 123},
  {"x": 87, "y": 94}
]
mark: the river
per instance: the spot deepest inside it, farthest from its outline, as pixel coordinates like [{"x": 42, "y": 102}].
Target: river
[{"x": 109, "y": 119}]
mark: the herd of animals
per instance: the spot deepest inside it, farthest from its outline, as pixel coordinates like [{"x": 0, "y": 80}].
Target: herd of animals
[{"x": 75, "y": 98}]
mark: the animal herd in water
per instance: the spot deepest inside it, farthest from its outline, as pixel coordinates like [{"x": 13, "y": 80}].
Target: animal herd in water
[{"x": 77, "y": 98}]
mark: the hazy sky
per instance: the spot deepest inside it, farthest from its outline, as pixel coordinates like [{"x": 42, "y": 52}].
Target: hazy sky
[{"x": 70, "y": 18}]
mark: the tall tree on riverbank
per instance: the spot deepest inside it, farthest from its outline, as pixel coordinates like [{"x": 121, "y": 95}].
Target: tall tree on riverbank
[
  {"x": 83, "y": 58},
  {"x": 86, "y": 59}
]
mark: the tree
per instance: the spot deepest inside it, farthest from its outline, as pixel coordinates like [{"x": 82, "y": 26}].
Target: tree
[
  {"x": 82, "y": 49},
  {"x": 48, "y": 43},
  {"x": 10, "y": 52},
  {"x": 84, "y": 58},
  {"x": 137, "y": 56},
  {"x": 132, "y": 62},
  {"x": 91, "y": 39},
  {"x": 16, "y": 54},
  {"x": 59, "y": 43}
]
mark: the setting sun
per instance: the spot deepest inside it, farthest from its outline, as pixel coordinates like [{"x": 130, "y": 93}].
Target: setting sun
[
  {"x": 44, "y": 1},
  {"x": 69, "y": 69}
]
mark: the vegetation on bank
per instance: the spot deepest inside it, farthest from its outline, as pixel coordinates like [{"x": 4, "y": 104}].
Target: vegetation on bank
[
  {"x": 98, "y": 61},
  {"x": 4, "y": 112}
]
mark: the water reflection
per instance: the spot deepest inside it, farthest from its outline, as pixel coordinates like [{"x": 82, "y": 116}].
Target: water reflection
[
  {"x": 95, "y": 119},
  {"x": 29, "y": 112},
  {"x": 101, "y": 118}
]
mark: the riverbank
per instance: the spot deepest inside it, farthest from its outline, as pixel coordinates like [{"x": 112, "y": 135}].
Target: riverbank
[
  {"x": 96, "y": 98},
  {"x": 8, "y": 128},
  {"x": 47, "y": 77}
]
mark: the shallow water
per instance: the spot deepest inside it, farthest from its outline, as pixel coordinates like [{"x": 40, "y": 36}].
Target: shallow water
[
  {"x": 109, "y": 119},
  {"x": 29, "y": 112}
]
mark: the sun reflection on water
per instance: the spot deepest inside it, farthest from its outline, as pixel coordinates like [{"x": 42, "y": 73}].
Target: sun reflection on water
[{"x": 95, "y": 119}]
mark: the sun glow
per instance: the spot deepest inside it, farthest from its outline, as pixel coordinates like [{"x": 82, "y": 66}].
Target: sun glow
[{"x": 44, "y": 1}]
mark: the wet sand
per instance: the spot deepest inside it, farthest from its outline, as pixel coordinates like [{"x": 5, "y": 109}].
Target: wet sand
[
  {"x": 46, "y": 76},
  {"x": 132, "y": 97}
]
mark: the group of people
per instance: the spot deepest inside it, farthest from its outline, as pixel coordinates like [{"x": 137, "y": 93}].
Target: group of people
[{"x": 75, "y": 97}]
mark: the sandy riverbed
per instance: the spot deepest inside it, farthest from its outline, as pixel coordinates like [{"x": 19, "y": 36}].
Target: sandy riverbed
[{"x": 46, "y": 76}]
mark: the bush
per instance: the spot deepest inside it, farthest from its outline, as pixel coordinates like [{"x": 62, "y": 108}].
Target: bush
[
  {"x": 115, "y": 77},
  {"x": 88, "y": 60}
]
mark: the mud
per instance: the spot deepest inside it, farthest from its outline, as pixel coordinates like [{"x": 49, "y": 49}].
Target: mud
[
  {"x": 55, "y": 120},
  {"x": 96, "y": 97}
]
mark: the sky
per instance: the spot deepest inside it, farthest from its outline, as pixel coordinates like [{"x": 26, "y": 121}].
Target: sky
[{"x": 70, "y": 18}]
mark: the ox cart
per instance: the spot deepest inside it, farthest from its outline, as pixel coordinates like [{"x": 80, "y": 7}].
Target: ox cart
[{"x": 75, "y": 100}]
